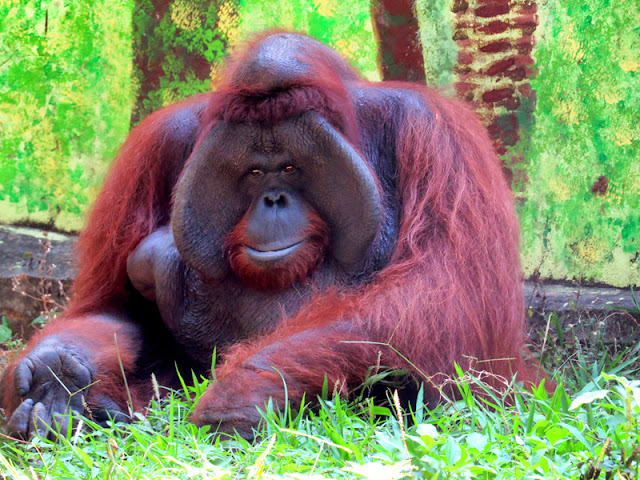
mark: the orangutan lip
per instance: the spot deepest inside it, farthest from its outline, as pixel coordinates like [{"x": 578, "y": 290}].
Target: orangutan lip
[{"x": 269, "y": 255}]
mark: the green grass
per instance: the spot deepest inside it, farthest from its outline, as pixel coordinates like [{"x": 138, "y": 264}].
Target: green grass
[
  {"x": 588, "y": 429},
  {"x": 592, "y": 433}
]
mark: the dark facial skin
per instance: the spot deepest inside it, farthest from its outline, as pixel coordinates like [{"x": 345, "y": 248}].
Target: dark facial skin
[
  {"x": 276, "y": 224},
  {"x": 303, "y": 158},
  {"x": 272, "y": 182}
]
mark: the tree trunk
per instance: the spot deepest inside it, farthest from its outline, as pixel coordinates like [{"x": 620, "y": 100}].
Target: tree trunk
[
  {"x": 177, "y": 45},
  {"x": 495, "y": 41},
  {"x": 399, "y": 48}
]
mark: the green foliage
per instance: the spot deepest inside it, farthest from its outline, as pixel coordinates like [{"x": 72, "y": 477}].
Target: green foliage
[
  {"x": 586, "y": 126},
  {"x": 535, "y": 436},
  {"x": 180, "y": 54},
  {"x": 343, "y": 24},
  {"x": 176, "y": 49},
  {"x": 64, "y": 102},
  {"x": 66, "y": 99},
  {"x": 439, "y": 49},
  {"x": 5, "y": 330}
]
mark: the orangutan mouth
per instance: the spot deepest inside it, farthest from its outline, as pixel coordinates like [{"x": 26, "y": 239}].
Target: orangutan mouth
[{"x": 272, "y": 254}]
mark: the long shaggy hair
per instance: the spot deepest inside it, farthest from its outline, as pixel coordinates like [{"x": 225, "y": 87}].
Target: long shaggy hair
[{"x": 451, "y": 293}]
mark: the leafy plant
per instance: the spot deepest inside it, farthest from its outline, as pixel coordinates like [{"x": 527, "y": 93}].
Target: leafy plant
[
  {"x": 529, "y": 434},
  {"x": 5, "y": 330}
]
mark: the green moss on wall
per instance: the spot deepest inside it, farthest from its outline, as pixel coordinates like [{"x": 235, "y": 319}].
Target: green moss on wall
[
  {"x": 439, "y": 49},
  {"x": 64, "y": 98},
  {"x": 581, "y": 218},
  {"x": 343, "y": 24},
  {"x": 176, "y": 46},
  {"x": 66, "y": 89},
  {"x": 66, "y": 102}
]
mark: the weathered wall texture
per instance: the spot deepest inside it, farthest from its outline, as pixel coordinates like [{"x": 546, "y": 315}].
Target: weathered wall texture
[
  {"x": 557, "y": 83},
  {"x": 65, "y": 83},
  {"x": 581, "y": 210},
  {"x": 495, "y": 40}
]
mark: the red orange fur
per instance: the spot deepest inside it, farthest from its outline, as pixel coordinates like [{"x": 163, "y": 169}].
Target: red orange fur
[
  {"x": 281, "y": 275},
  {"x": 451, "y": 292}
]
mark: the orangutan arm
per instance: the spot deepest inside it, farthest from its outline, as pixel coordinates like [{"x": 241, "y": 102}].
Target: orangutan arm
[{"x": 70, "y": 365}]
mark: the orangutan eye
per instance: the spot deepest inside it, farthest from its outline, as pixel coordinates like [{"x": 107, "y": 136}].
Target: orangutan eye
[
  {"x": 289, "y": 169},
  {"x": 256, "y": 172}
]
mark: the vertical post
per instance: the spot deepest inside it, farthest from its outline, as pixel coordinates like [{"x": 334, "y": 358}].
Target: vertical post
[
  {"x": 176, "y": 46},
  {"x": 395, "y": 27},
  {"x": 495, "y": 40}
]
